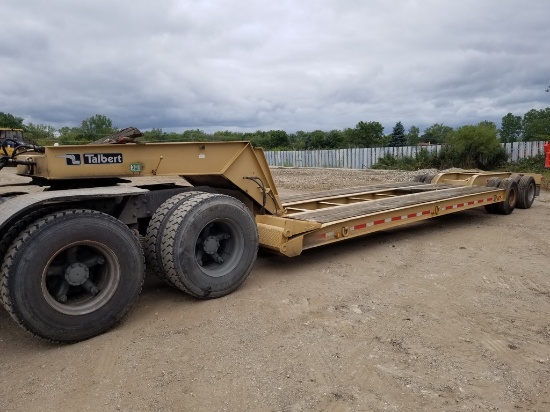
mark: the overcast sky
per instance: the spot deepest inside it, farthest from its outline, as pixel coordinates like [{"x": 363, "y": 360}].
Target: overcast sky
[{"x": 247, "y": 65}]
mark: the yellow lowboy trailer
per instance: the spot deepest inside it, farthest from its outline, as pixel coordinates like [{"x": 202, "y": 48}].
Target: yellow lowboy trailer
[{"x": 74, "y": 254}]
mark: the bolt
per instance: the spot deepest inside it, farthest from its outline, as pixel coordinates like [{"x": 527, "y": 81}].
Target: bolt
[{"x": 90, "y": 287}]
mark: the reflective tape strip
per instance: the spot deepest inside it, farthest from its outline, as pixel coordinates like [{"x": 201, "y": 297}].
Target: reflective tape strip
[
  {"x": 327, "y": 235},
  {"x": 404, "y": 217},
  {"x": 470, "y": 203},
  {"x": 378, "y": 222}
]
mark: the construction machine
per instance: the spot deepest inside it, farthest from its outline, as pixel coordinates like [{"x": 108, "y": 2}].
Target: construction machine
[{"x": 10, "y": 137}]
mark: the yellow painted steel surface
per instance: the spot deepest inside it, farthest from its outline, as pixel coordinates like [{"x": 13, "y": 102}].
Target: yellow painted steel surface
[
  {"x": 386, "y": 219},
  {"x": 476, "y": 177},
  {"x": 303, "y": 221},
  {"x": 225, "y": 165},
  {"x": 329, "y": 219}
]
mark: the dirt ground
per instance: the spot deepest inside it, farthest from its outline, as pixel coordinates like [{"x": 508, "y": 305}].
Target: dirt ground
[{"x": 448, "y": 314}]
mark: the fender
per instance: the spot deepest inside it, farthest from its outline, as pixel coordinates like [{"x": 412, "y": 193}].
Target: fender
[{"x": 12, "y": 209}]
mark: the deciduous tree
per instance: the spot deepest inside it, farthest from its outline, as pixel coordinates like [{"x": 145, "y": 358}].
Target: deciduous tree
[
  {"x": 475, "y": 146},
  {"x": 369, "y": 134},
  {"x": 437, "y": 133},
  {"x": 413, "y": 136},
  {"x": 96, "y": 127},
  {"x": 536, "y": 124},
  {"x": 11, "y": 121},
  {"x": 511, "y": 129}
]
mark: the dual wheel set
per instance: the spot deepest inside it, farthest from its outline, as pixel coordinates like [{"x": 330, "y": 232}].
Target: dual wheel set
[
  {"x": 520, "y": 193},
  {"x": 71, "y": 274}
]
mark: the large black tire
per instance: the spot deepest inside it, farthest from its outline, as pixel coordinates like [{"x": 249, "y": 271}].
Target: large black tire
[
  {"x": 72, "y": 275},
  {"x": 492, "y": 182},
  {"x": 419, "y": 178},
  {"x": 510, "y": 200},
  {"x": 153, "y": 236},
  {"x": 15, "y": 229},
  {"x": 429, "y": 177},
  {"x": 209, "y": 245},
  {"x": 526, "y": 192}
]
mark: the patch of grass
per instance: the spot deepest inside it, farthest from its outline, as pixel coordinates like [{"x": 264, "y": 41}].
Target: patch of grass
[
  {"x": 533, "y": 164},
  {"x": 545, "y": 180},
  {"x": 422, "y": 160}
]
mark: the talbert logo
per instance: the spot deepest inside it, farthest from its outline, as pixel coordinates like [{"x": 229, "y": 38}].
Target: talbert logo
[
  {"x": 102, "y": 158},
  {"x": 75, "y": 159},
  {"x": 72, "y": 159}
]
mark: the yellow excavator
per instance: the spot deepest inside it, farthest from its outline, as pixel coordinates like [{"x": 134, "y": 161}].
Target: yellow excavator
[{"x": 9, "y": 139}]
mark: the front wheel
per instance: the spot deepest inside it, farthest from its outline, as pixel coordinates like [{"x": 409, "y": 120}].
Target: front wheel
[
  {"x": 72, "y": 275},
  {"x": 210, "y": 244}
]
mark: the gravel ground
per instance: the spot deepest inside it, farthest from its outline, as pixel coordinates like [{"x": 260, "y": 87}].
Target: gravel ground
[
  {"x": 450, "y": 314},
  {"x": 320, "y": 179}
]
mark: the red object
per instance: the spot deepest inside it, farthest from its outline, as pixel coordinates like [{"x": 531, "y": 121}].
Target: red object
[{"x": 547, "y": 151}]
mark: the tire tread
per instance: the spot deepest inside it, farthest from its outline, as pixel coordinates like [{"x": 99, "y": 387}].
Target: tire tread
[{"x": 23, "y": 238}]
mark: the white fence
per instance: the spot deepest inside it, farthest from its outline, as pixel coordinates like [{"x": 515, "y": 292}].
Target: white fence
[{"x": 364, "y": 158}]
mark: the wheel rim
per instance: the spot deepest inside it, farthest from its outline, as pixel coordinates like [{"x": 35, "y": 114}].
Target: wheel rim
[
  {"x": 531, "y": 192},
  {"x": 80, "y": 278},
  {"x": 219, "y": 247},
  {"x": 512, "y": 198}
]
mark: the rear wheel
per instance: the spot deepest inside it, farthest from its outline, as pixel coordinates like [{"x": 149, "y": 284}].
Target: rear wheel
[
  {"x": 153, "y": 237},
  {"x": 428, "y": 178},
  {"x": 510, "y": 199},
  {"x": 72, "y": 275},
  {"x": 492, "y": 182},
  {"x": 209, "y": 245},
  {"x": 526, "y": 192}
]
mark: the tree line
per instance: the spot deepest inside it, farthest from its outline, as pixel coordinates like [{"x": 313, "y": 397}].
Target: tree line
[{"x": 533, "y": 125}]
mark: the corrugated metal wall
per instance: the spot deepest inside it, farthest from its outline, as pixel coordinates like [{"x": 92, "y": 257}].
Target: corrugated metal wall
[{"x": 364, "y": 158}]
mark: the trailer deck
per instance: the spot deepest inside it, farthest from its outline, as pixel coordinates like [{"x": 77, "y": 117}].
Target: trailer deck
[
  {"x": 314, "y": 219},
  {"x": 372, "y": 201}
]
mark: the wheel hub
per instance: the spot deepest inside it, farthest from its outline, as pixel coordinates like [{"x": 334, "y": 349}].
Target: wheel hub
[
  {"x": 77, "y": 274},
  {"x": 211, "y": 245}
]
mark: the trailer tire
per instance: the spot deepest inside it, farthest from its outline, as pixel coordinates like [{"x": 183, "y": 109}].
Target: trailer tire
[
  {"x": 490, "y": 208},
  {"x": 72, "y": 275},
  {"x": 492, "y": 182},
  {"x": 419, "y": 178},
  {"x": 429, "y": 177},
  {"x": 508, "y": 205},
  {"x": 209, "y": 245},
  {"x": 526, "y": 192},
  {"x": 153, "y": 236}
]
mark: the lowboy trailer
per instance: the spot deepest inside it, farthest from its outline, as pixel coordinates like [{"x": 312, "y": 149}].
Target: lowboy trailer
[{"x": 75, "y": 242}]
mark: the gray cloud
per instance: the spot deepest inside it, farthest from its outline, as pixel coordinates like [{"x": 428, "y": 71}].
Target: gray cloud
[{"x": 248, "y": 65}]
